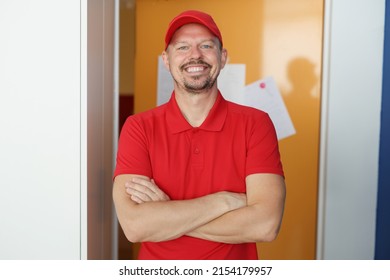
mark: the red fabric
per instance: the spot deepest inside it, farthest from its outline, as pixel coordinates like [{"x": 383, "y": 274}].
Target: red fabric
[
  {"x": 185, "y": 162},
  {"x": 192, "y": 16}
]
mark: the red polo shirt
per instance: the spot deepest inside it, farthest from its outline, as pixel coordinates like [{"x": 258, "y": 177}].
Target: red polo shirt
[{"x": 233, "y": 142}]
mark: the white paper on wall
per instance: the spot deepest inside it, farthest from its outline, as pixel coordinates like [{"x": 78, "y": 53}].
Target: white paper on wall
[
  {"x": 164, "y": 83},
  {"x": 264, "y": 95},
  {"x": 231, "y": 82}
]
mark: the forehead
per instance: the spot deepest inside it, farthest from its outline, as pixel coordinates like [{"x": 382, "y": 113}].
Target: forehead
[{"x": 192, "y": 31}]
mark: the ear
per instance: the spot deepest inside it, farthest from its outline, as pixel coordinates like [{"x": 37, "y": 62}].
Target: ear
[
  {"x": 165, "y": 59},
  {"x": 224, "y": 56}
]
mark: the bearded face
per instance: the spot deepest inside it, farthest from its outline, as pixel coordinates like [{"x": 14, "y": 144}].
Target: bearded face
[{"x": 194, "y": 59}]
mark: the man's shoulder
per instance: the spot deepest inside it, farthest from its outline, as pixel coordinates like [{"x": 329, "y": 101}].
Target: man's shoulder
[
  {"x": 146, "y": 119},
  {"x": 156, "y": 112}
]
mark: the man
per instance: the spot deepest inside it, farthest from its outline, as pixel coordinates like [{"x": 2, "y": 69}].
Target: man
[{"x": 198, "y": 177}]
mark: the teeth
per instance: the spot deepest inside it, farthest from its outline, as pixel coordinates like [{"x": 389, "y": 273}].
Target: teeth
[{"x": 195, "y": 69}]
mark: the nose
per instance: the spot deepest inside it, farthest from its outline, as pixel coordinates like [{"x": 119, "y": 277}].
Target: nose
[{"x": 196, "y": 53}]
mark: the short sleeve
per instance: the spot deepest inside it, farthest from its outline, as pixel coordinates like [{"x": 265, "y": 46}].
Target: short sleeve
[
  {"x": 133, "y": 156},
  {"x": 263, "y": 150}
]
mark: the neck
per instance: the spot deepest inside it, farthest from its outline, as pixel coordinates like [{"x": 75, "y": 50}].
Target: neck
[{"x": 195, "y": 107}]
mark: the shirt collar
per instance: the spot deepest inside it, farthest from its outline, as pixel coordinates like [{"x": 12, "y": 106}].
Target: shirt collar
[{"x": 213, "y": 122}]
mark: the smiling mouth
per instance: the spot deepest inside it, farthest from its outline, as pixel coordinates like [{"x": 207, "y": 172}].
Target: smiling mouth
[{"x": 195, "y": 67}]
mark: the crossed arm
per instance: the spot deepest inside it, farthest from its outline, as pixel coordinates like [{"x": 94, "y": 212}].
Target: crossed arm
[{"x": 147, "y": 214}]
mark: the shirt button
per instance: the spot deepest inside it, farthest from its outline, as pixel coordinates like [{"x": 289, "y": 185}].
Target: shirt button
[{"x": 196, "y": 151}]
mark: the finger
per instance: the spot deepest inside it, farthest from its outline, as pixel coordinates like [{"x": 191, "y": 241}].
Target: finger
[
  {"x": 150, "y": 188},
  {"x": 150, "y": 184},
  {"x": 162, "y": 195},
  {"x": 136, "y": 199},
  {"x": 147, "y": 193},
  {"x": 143, "y": 185},
  {"x": 140, "y": 181},
  {"x": 139, "y": 192}
]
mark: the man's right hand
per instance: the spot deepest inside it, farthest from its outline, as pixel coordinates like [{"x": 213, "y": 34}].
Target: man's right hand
[{"x": 143, "y": 190}]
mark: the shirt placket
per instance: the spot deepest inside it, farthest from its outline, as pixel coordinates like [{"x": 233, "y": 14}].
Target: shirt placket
[{"x": 197, "y": 151}]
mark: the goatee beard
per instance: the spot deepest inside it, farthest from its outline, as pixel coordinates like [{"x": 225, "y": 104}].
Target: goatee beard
[
  {"x": 194, "y": 87},
  {"x": 197, "y": 88}
]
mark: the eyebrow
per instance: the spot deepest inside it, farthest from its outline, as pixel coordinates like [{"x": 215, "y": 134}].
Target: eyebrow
[{"x": 186, "y": 42}]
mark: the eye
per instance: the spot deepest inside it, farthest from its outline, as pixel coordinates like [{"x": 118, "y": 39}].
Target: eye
[
  {"x": 206, "y": 46},
  {"x": 182, "y": 48}
]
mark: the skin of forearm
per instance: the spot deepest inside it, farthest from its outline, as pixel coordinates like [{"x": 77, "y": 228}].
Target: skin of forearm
[
  {"x": 258, "y": 221},
  {"x": 166, "y": 220},
  {"x": 238, "y": 227},
  {"x": 171, "y": 219}
]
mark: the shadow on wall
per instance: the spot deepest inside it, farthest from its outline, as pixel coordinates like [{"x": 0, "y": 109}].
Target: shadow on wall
[{"x": 304, "y": 82}]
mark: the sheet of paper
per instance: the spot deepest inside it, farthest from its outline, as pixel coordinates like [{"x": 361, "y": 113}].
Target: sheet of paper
[
  {"x": 264, "y": 95},
  {"x": 231, "y": 82},
  {"x": 164, "y": 83}
]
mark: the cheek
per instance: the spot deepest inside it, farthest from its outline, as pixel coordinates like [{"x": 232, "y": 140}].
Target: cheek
[{"x": 175, "y": 64}]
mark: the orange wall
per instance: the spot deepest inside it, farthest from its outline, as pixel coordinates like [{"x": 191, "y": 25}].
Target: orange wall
[
  {"x": 282, "y": 39},
  {"x": 126, "y": 48}
]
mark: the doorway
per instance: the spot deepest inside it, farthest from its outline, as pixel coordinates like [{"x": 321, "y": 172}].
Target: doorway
[{"x": 285, "y": 42}]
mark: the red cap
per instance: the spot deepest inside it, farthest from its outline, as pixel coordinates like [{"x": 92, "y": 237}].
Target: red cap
[{"x": 191, "y": 16}]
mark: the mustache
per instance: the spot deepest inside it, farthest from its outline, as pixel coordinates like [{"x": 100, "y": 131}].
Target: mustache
[{"x": 194, "y": 62}]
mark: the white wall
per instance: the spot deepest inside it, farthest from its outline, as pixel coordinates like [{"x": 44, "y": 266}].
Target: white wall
[
  {"x": 40, "y": 130},
  {"x": 56, "y": 128},
  {"x": 353, "y": 52}
]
